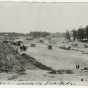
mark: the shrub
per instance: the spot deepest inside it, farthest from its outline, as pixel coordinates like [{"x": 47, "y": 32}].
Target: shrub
[{"x": 49, "y": 47}]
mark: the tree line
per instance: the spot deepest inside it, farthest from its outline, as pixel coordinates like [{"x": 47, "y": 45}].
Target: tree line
[
  {"x": 81, "y": 34},
  {"x": 39, "y": 34}
]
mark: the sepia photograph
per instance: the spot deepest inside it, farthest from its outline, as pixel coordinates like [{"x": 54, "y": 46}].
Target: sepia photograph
[{"x": 44, "y": 42}]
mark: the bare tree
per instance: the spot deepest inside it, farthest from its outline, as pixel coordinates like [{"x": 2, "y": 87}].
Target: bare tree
[
  {"x": 74, "y": 34},
  {"x": 80, "y": 34},
  {"x": 86, "y": 32},
  {"x": 68, "y": 37}
]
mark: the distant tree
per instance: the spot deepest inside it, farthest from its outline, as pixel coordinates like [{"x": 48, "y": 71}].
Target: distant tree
[
  {"x": 68, "y": 37},
  {"x": 38, "y": 34},
  {"x": 86, "y": 32},
  {"x": 74, "y": 34},
  {"x": 81, "y": 34}
]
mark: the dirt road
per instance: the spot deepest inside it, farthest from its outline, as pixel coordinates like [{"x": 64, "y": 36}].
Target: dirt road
[{"x": 56, "y": 59}]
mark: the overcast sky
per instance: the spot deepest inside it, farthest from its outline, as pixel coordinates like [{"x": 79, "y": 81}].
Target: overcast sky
[{"x": 54, "y": 17}]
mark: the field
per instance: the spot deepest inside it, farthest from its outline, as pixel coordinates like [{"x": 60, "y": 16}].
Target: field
[
  {"x": 57, "y": 64},
  {"x": 58, "y": 59}
]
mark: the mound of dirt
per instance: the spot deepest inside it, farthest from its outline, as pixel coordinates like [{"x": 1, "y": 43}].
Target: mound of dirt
[
  {"x": 11, "y": 61},
  {"x": 62, "y": 71},
  {"x": 34, "y": 62},
  {"x": 73, "y": 45}
]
